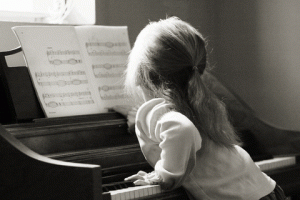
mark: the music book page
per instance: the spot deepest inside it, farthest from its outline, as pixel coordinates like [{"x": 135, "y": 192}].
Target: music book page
[{"x": 76, "y": 70}]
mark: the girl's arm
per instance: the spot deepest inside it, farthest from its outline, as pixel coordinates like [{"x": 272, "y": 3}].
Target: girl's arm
[{"x": 178, "y": 141}]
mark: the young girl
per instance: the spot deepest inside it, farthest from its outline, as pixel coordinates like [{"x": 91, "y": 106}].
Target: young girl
[{"x": 182, "y": 128}]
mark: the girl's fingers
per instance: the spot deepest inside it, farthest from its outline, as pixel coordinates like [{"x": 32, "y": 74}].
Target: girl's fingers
[
  {"x": 141, "y": 182},
  {"x": 142, "y": 173},
  {"x": 132, "y": 113},
  {"x": 123, "y": 109},
  {"x": 134, "y": 177},
  {"x": 131, "y": 118},
  {"x": 139, "y": 176}
]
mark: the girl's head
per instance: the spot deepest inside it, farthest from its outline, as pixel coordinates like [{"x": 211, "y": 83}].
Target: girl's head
[
  {"x": 165, "y": 56},
  {"x": 168, "y": 60}
]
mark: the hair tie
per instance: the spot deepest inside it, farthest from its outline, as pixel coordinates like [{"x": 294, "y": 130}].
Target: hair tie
[{"x": 200, "y": 69}]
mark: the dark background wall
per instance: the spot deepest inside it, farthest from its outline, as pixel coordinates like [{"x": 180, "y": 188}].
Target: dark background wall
[
  {"x": 258, "y": 49},
  {"x": 136, "y": 14}
]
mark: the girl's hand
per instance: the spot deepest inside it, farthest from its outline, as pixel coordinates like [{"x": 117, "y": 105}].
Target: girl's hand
[
  {"x": 130, "y": 113},
  {"x": 127, "y": 111},
  {"x": 123, "y": 109},
  {"x": 143, "y": 178},
  {"x": 139, "y": 179}
]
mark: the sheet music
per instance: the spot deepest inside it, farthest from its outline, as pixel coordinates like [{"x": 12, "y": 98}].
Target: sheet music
[
  {"x": 75, "y": 74},
  {"x": 106, "y": 49}
]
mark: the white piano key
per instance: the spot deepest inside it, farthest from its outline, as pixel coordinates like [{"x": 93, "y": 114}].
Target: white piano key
[
  {"x": 127, "y": 195},
  {"x": 123, "y": 196},
  {"x": 131, "y": 193},
  {"x": 115, "y": 195},
  {"x": 150, "y": 191},
  {"x": 136, "y": 193},
  {"x": 156, "y": 189},
  {"x": 145, "y": 191}
]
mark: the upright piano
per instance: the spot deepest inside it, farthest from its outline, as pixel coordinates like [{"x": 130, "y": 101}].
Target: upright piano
[{"x": 88, "y": 157}]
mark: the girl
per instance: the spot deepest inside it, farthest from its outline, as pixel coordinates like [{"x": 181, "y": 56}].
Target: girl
[{"x": 182, "y": 128}]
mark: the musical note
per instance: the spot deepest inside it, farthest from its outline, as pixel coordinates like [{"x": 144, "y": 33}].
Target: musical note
[
  {"x": 71, "y": 61},
  {"x": 63, "y": 52},
  {"x": 107, "y": 88},
  {"x": 59, "y": 57},
  {"x": 66, "y": 94},
  {"x": 106, "y": 44},
  {"x": 107, "y": 53},
  {"x": 108, "y": 75},
  {"x": 54, "y": 104},
  {"x": 58, "y": 74},
  {"x": 104, "y": 48},
  {"x": 62, "y": 83},
  {"x": 54, "y": 100},
  {"x": 108, "y": 66},
  {"x": 112, "y": 97}
]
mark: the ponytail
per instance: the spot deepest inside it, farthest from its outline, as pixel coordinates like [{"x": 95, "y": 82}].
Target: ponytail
[{"x": 210, "y": 114}]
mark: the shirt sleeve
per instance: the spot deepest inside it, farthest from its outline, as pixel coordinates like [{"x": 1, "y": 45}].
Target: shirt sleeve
[{"x": 179, "y": 142}]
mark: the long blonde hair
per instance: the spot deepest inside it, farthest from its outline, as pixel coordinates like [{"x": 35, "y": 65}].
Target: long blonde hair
[{"x": 168, "y": 58}]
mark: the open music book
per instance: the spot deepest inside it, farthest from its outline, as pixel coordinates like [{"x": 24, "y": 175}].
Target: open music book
[{"x": 76, "y": 70}]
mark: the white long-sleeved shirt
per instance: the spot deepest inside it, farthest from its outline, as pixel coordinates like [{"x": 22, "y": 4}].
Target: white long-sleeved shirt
[{"x": 172, "y": 145}]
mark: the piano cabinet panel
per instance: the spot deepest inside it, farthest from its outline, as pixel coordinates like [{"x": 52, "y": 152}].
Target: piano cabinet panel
[
  {"x": 41, "y": 182},
  {"x": 25, "y": 174}
]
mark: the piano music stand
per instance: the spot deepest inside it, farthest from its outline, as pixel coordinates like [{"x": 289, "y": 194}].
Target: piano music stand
[{"x": 18, "y": 99}]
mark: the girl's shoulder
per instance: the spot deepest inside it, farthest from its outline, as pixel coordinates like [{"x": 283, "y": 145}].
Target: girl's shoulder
[
  {"x": 176, "y": 118},
  {"x": 162, "y": 112},
  {"x": 157, "y": 119},
  {"x": 176, "y": 126},
  {"x": 150, "y": 113},
  {"x": 154, "y": 108},
  {"x": 158, "y": 111}
]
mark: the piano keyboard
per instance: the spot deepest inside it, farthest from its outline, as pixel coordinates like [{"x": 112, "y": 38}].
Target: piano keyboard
[
  {"x": 275, "y": 163},
  {"x": 130, "y": 191},
  {"x": 135, "y": 192}
]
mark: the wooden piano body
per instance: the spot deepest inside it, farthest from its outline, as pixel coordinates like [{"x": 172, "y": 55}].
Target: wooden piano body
[
  {"x": 101, "y": 141},
  {"x": 79, "y": 157}
]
